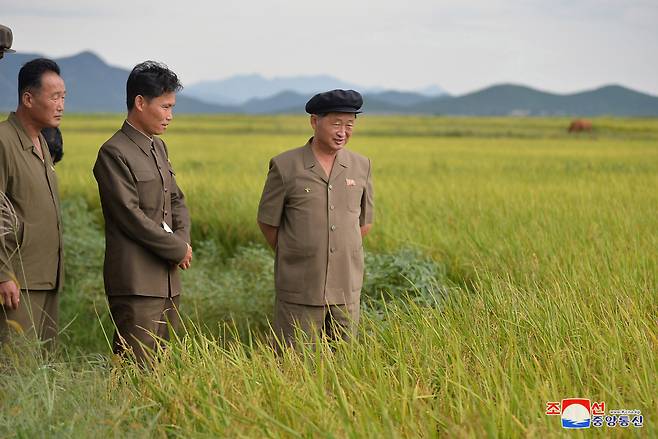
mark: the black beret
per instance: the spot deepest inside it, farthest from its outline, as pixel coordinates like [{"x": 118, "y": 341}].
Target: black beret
[
  {"x": 335, "y": 101},
  {"x": 6, "y": 39}
]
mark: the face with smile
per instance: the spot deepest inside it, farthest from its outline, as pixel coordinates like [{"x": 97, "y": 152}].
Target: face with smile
[
  {"x": 332, "y": 131},
  {"x": 45, "y": 105},
  {"x": 152, "y": 116}
]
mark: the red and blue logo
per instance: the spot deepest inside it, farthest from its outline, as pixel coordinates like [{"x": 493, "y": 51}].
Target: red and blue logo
[{"x": 576, "y": 413}]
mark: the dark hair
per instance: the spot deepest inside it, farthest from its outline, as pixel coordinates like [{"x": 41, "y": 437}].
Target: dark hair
[
  {"x": 150, "y": 79},
  {"x": 29, "y": 77},
  {"x": 55, "y": 142}
]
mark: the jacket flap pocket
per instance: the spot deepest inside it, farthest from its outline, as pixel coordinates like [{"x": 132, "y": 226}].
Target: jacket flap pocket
[{"x": 143, "y": 174}]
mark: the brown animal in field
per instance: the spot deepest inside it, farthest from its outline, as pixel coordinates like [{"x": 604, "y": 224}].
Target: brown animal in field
[{"x": 580, "y": 125}]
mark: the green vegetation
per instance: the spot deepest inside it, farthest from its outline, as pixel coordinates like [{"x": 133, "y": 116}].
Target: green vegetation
[{"x": 510, "y": 265}]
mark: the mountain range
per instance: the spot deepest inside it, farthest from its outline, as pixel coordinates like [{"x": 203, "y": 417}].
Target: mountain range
[
  {"x": 240, "y": 89},
  {"x": 95, "y": 86}
]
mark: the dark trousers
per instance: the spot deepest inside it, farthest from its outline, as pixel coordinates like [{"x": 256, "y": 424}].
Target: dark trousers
[
  {"x": 329, "y": 321},
  {"x": 141, "y": 322},
  {"x": 36, "y": 317}
]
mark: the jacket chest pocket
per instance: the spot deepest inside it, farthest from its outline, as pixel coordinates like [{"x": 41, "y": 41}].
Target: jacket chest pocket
[
  {"x": 149, "y": 188},
  {"x": 354, "y": 194}
]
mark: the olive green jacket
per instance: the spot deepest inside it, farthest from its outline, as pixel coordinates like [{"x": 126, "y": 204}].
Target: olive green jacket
[
  {"x": 138, "y": 192},
  {"x": 31, "y": 249}
]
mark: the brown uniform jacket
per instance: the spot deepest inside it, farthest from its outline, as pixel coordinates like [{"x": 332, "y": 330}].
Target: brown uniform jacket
[
  {"x": 319, "y": 253},
  {"x": 31, "y": 186},
  {"x": 138, "y": 191}
]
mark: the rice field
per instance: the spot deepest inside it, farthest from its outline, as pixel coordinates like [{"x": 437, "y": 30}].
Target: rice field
[{"x": 510, "y": 265}]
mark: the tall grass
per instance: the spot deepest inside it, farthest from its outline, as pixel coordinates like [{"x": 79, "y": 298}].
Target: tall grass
[{"x": 510, "y": 265}]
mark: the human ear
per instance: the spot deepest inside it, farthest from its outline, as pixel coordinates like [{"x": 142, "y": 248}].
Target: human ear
[
  {"x": 26, "y": 99},
  {"x": 139, "y": 102}
]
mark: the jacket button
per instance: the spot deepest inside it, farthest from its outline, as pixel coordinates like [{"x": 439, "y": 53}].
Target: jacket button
[
  {"x": 332, "y": 249},
  {"x": 330, "y": 187},
  {"x": 165, "y": 189},
  {"x": 332, "y": 207},
  {"x": 333, "y": 227}
]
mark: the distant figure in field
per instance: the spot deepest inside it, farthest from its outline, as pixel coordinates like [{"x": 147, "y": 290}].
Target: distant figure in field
[
  {"x": 580, "y": 125},
  {"x": 55, "y": 142}
]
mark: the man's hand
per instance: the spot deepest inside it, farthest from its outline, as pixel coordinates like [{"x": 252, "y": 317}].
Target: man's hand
[
  {"x": 365, "y": 229},
  {"x": 187, "y": 260},
  {"x": 10, "y": 294}
]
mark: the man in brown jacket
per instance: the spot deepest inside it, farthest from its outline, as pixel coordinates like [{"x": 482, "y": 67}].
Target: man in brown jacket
[
  {"x": 147, "y": 225},
  {"x": 31, "y": 253},
  {"x": 316, "y": 206}
]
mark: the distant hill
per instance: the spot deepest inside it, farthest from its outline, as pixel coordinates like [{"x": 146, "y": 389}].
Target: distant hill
[
  {"x": 283, "y": 102},
  {"x": 402, "y": 98},
  {"x": 95, "y": 86},
  {"x": 91, "y": 85},
  {"x": 614, "y": 99},
  {"x": 240, "y": 89},
  {"x": 508, "y": 99},
  {"x": 289, "y": 102}
]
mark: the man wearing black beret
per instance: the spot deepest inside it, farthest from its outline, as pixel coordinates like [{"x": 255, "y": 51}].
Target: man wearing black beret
[{"x": 316, "y": 207}]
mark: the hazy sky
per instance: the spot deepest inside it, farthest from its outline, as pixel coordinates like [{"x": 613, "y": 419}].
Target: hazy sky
[{"x": 555, "y": 45}]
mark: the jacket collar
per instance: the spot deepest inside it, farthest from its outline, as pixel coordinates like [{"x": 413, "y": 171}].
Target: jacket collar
[
  {"x": 309, "y": 158},
  {"x": 310, "y": 162},
  {"x": 138, "y": 138},
  {"x": 26, "y": 142}
]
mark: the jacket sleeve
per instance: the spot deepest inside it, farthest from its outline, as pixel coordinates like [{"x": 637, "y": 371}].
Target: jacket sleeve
[
  {"x": 6, "y": 221},
  {"x": 120, "y": 202},
  {"x": 180, "y": 216},
  {"x": 179, "y": 213},
  {"x": 368, "y": 200},
  {"x": 273, "y": 198}
]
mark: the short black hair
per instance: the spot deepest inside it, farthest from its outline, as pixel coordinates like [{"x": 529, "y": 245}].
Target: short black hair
[
  {"x": 29, "y": 77},
  {"x": 55, "y": 143},
  {"x": 150, "y": 79}
]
